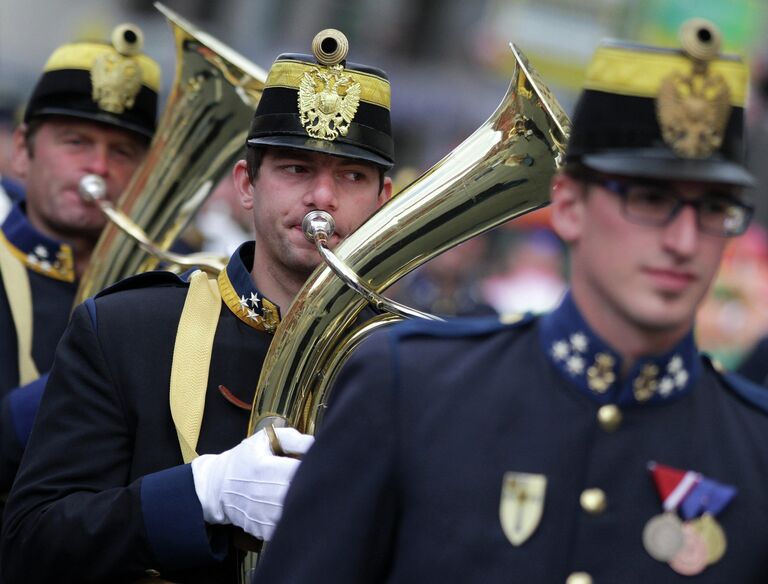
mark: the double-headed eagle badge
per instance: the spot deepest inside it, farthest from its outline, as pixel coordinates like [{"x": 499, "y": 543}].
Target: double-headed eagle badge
[
  {"x": 116, "y": 74},
  {"x": 693, "y": 112},
  {"x": 328, "y": 101},
  {"x": 693, "y": 107}
]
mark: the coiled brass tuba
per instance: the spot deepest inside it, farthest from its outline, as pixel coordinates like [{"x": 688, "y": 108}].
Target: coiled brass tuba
[
  {"x": 199, "y": 136},
  {"x": 501, "y": 171}
]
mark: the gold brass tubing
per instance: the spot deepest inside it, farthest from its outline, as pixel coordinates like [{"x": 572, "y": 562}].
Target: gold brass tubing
[
  {"x": 352, "y": 280},
  {"x": 208, "y": 262}
]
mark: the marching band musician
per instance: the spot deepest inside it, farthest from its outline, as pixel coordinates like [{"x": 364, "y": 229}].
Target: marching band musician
[
  {"x": 138, "y": 463},
  {"x": 92, "y": 111},
  {"x": 593, "y": 444}
]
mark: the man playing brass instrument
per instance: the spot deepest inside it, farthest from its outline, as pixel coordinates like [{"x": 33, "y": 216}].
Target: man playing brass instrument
[
  {"x": 593, "y": 444},
  {"x": 92, "y": 111},
  {"x": 112, "y": 487}
]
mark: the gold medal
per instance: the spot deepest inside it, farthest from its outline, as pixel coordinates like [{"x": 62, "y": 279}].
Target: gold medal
[
  {"x": 693, "y": 556},
  {"x": 713, "y": 535},
  {"x": 663, "y": 536}
]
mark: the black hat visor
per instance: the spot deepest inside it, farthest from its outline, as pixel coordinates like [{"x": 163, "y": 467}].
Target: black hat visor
[
  {"x": 101, "y": 116},
  {"x": 665, "y": 165}
]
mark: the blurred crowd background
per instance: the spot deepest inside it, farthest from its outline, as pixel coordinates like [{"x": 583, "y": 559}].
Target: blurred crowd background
[{"x": 449, "y": 62}]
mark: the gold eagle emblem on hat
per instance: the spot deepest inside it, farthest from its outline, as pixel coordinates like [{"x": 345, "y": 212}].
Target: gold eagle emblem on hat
[
  {"x": 115, "y": 74},
  {"x": 693, "y": 111},
  {"x": 328, "y": 96},
  {"x": 693, "y": 108},
  {"x": 328, "y": 101}
]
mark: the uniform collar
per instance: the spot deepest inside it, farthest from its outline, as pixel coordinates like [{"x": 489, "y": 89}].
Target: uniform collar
[
  {"x": 593, "y": 367},
  {"x": 36, "y": 251},
  {"x": 241, "y": 296}
]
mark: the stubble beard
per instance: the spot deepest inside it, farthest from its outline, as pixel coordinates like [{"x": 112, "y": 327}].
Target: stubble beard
[{"x": 73, "y": 230}]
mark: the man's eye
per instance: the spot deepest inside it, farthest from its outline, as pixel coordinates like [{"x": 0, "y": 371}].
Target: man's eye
[
  {"x": 651, "y": 198},
  {"x": 126, "y": 152},
  {"x": 294, "y": 168},
  {"x": 715, "y": 206}
]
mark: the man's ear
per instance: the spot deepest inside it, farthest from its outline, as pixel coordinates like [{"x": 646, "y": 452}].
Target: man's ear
[
  {"x": 386, "y": 191},
  {"x": 20, "y": 154},
  {"x": 567, "y": 208},
  {"x": 243, "y": 184}
]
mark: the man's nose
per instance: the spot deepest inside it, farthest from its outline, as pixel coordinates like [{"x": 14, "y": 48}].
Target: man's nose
[
  {"x": 681, "y": 235},
  {"x": 322, "y": 193},
  {"x": 97, "y": 161}
]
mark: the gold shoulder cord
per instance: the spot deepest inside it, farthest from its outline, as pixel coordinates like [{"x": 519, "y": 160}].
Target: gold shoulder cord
[
  {"x": 192, "y": 360},
  {"x": 16, "y": 284}
]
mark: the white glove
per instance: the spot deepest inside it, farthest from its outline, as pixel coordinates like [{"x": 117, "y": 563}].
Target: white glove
[{"x": 245, "y": 486}]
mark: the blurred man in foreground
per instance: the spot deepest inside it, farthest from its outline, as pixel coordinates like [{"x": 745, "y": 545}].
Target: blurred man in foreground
[{"x": 593, "y": 444}]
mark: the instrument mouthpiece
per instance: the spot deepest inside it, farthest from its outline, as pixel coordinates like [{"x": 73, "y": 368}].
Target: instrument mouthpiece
[
  {"x": 92, "y": 187},
  {"x": 318, "y": 225}
]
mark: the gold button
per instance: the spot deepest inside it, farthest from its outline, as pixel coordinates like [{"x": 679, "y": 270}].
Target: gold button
[
  {"x": 593, "y": 501},
  {"x": 609, "y": 417},
  {"x": 510, "y": 317},
  {"x": 579, "y": 578}
]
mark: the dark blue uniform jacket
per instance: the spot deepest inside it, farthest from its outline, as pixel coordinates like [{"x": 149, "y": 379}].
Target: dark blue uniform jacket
[
  {"x": 404, "y": 483},
  {"x": 49, "y": 265},
  {"x": 102, "y": 494}
]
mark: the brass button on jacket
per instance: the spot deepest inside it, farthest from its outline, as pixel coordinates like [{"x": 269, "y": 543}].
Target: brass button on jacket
[
  {"x": 593, "y": 501},
  {"x": 579, "y": 578},
  {"x": 609, "y": 417}
]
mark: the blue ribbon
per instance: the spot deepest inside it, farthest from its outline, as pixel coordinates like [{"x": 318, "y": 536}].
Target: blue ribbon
[{"x": 707, "y": 496}]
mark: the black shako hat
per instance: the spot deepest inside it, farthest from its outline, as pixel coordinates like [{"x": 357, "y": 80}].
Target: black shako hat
[
  {"x": 325, "y": 104},
  {"x": 113, "y": 84},
  {"x": 673, "y": 114}
]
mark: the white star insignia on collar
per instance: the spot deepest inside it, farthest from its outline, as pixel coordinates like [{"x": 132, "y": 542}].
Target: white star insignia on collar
[
  {"x": 666, "y": 385},
  {"x": 252, "y": 314},
  {"x": 681, "y": 378},
  {"x": 579, "y": 342},
  {"x": 575, "y": 365},
  {"x": 243, "y": 302},
  {"x": 254, "y": 299},
  {"x": 675, "y": 364},
  {"x": 41, "y": 251},
  {"x": 560, "y": 350}
]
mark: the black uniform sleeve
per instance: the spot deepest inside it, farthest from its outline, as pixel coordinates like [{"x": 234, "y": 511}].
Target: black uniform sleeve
[
  {"x": 338, "y": 523},
  {"x": 17, "y": 413},
  {"x": 74, "y": 515}
]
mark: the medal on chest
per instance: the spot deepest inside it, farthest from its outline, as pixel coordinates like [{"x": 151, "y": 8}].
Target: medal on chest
[{"x": 686, "y": 535}]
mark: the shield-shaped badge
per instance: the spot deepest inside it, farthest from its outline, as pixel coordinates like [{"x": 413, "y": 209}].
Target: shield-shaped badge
[{"x": 522, "y": 502}]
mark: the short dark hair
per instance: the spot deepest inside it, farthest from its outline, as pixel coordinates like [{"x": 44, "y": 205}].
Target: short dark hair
[
  {"x": 253, "y": 157},
  {"x": 30, "y": 131}
]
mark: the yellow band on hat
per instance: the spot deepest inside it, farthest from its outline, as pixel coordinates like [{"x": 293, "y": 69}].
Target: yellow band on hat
[
  {"x": 636, "y": 72},
  {"x": 82, "y": 56},
  {"x": 288, "y": 74}
]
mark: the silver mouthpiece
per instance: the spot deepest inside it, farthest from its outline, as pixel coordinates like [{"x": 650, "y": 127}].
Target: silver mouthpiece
[
  {"x": 92, "y": 187},
  {"x": 318, "y": 225}
]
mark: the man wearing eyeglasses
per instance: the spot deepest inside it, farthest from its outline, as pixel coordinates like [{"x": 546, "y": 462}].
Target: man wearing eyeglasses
[{"x": 593, "y": 444}]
